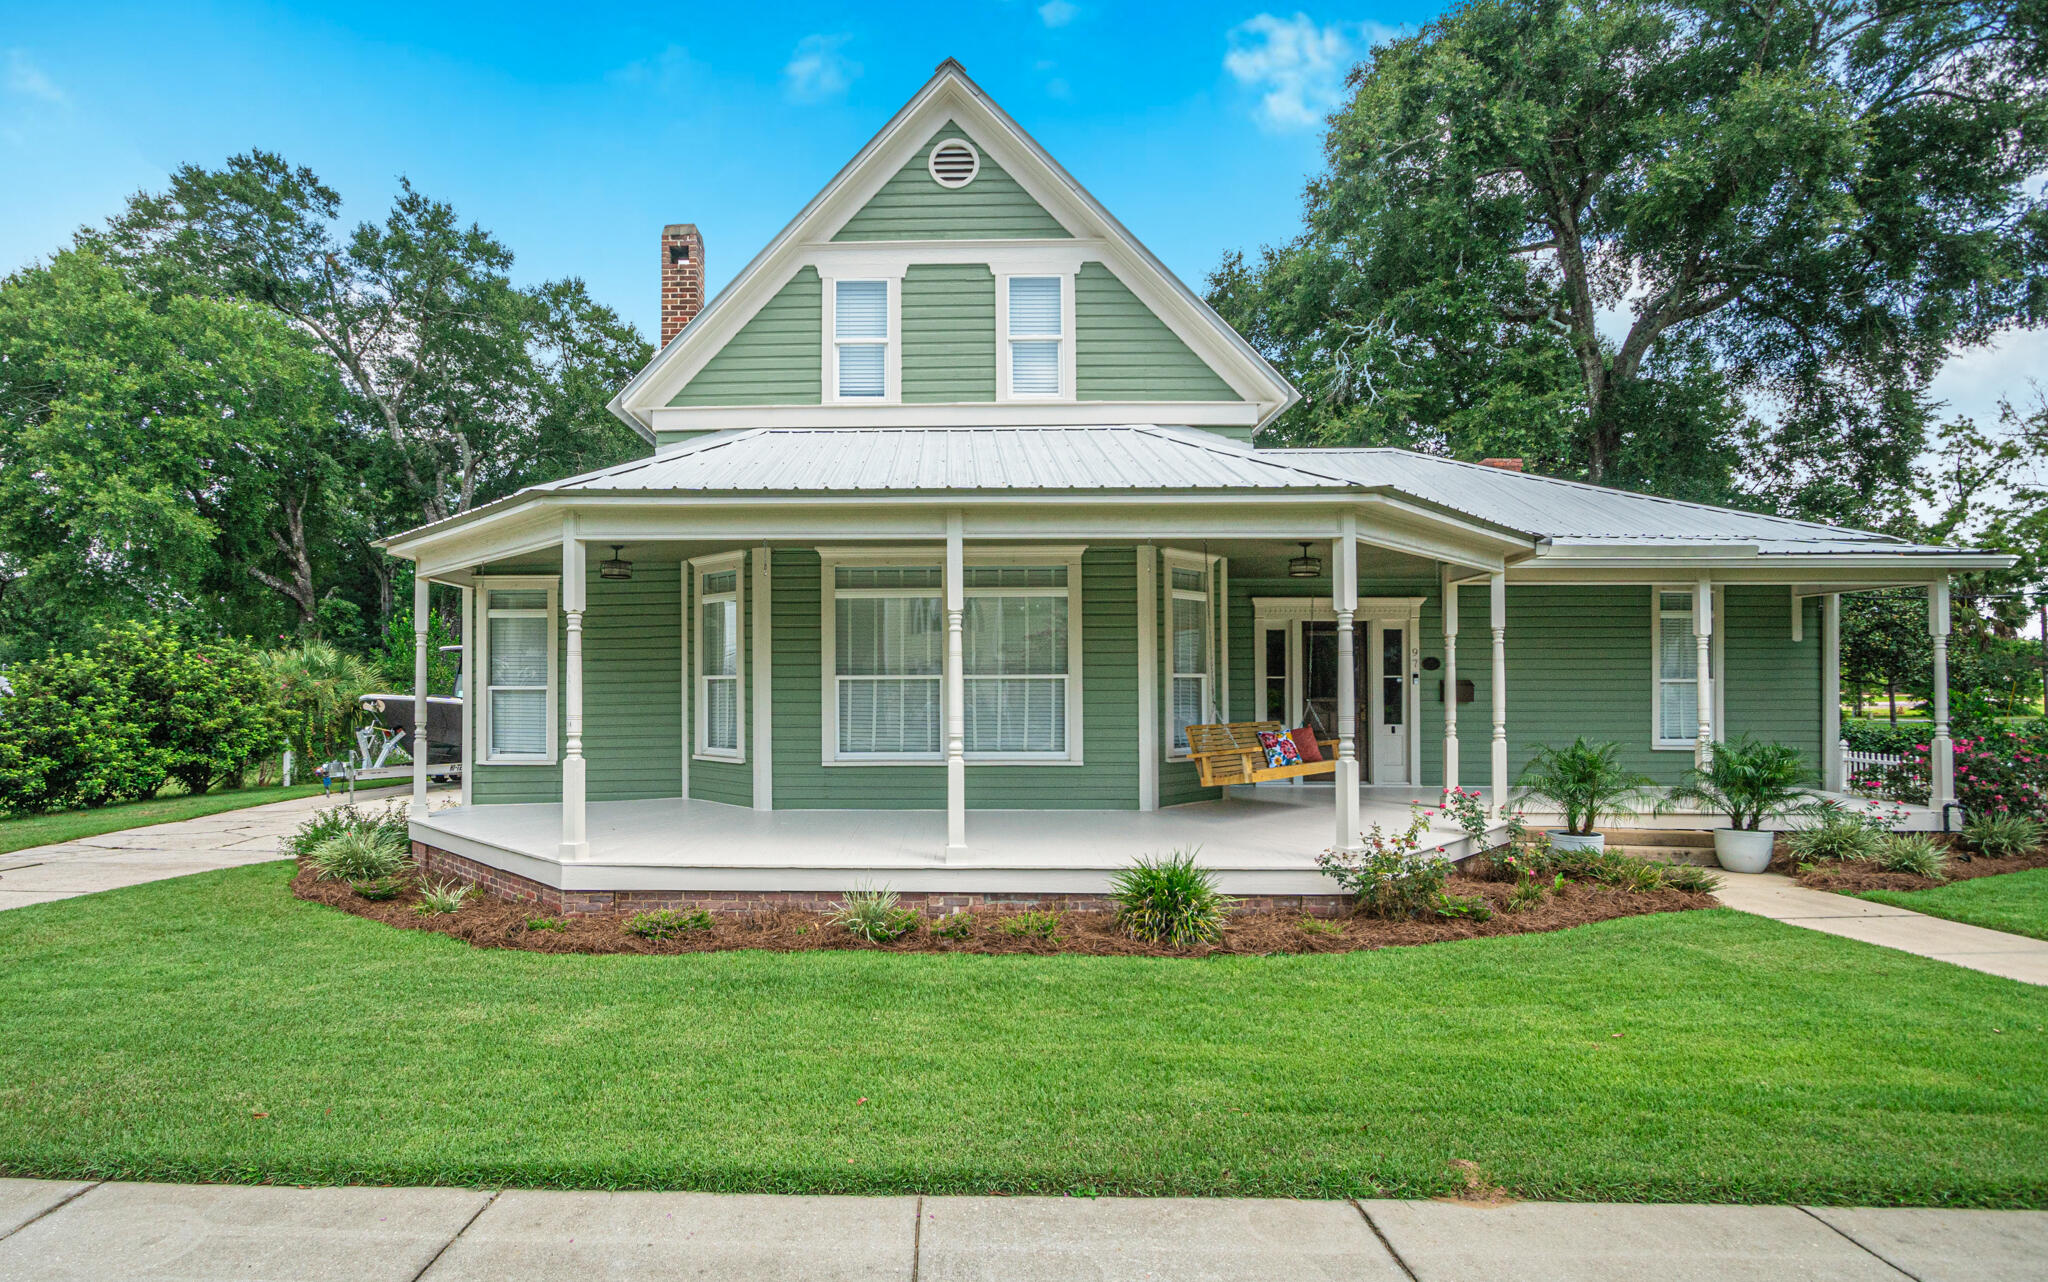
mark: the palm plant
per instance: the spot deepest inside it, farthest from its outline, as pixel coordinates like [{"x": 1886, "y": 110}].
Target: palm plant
[
  {"x": 1584, "y": 781},
  {"x": 317, "y": 685},
  {"x": 1748, "y": 780}
]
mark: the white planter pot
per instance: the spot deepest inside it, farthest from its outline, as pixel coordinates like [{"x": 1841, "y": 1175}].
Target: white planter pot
[
  {"x": 1740, "y": 850},
  {"x": 1562, "y": 840}
]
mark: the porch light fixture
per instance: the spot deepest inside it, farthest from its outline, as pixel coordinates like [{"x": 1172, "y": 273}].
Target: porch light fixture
[
  {"x": 1305, "y": 566},
  {"x": 615, "y": 568}
]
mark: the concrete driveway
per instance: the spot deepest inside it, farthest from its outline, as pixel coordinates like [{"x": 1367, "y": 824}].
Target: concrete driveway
[
  {"x": 135, "y": 855},
  {"x": 51, "y": 1231}
]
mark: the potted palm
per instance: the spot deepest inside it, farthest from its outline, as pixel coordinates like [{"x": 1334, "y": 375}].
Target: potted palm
[
  {"x": 1584, "y": 781},
  {"x": 1749, "y": 781}
]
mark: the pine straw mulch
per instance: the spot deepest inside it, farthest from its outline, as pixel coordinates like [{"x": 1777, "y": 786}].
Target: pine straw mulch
[
  {"x": 1857, "y": 875},
  {"x": 487, "y": 922}
]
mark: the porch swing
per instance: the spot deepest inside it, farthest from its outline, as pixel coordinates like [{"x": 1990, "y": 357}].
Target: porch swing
[{"x": 1229, "y": 753}]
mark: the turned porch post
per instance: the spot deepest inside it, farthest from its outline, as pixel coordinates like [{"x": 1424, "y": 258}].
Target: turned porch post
[
  {"x": 1703, "y": 641},
  {"x": 1833, "y": 777},
  {"x": 575, "y": 844},
  {"x": 421, "y": 594},
  {"x": 1344, "y": 601},
  {"x": 1941, "y": 750},
  {"x": 1497, "y": 619},
  {"x": 1450, "y": 601},
  {"x": 956, "y": 688}
]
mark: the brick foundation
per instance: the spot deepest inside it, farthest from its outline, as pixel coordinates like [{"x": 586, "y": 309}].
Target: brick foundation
[{"x": 442, "y": 865}]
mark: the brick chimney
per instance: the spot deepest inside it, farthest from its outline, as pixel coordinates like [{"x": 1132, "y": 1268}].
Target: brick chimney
[
  {"x": 1505, "y": 464},
  {"x": 682, "y": 278}
]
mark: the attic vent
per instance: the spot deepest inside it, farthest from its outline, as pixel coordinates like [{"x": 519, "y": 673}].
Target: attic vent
[{"x": 954, "y": 163}]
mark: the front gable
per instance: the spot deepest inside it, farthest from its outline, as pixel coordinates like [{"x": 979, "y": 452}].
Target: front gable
[
  {"x": 912, "y": 206},
  {"x": 1130, "y": 343}
]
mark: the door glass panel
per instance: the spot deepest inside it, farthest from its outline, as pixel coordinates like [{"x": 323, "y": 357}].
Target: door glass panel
[
  {"x": 1275, "y": 706},
  {"x": 1392, "y": 705}
]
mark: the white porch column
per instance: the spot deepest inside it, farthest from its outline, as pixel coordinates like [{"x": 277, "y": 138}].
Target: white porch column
[
  {"x": 1148, "y": 677},
  {"x": 1497, "y": 619},
  {"x": 421, "y": 592},
  {"x": 575, "y": 844},
  {"x": 1833, "y": 778},
  {"x": 469, "y": 754},
  {"x": 1703, "y": 639},
  {"x": 762, "y": 674},
  {"x": 1942, "y": 752},
  {"x": 1344, "y": 601},
  {"x": 1450, "y": 602},
  {"x": 956, "y": 688}
]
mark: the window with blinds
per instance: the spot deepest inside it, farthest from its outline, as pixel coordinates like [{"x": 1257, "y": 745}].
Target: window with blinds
[
  {"x": 889, "y": 661},
  {"x": 718, "y": 662},
  {"x": 1035, "y": 332},
  {"x": 860, "y": 339},
  {"x": 1189, "y": 621},
  {"x": 1678, "y": 665},
  {"x": 518, "y": 672}
]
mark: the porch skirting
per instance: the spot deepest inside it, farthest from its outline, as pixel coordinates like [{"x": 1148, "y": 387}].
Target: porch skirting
[{"x": 442, "y": 864}]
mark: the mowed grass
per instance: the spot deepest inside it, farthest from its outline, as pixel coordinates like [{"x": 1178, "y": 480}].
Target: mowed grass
[
  {"x": 2016, "y": 902},
  {"x": 75, "y": 825},
  {"x": 214, "y": 1028}
]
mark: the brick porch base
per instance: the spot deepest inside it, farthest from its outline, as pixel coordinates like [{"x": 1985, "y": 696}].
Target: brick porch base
[{"x": 442, "y": 865}]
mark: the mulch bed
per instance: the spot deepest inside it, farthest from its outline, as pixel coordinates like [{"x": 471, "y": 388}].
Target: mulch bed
[
  {"x": 495, "y": 923},
  {"x": 1855, "y": 876}
]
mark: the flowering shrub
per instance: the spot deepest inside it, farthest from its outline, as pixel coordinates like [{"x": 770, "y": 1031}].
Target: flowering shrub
[
  {"x": 2000, "y": 772},
  {"x": 1389, "y": 873},
  {"x": 1468, "y": 811}
]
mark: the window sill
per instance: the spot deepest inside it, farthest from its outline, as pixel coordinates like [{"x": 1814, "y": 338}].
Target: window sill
[
  {"x": 972, "y": 762},
  {"x": 728, "y": 758},
  {"x": 520, "y": 761},
  {"x": 1673, "y": 745}
]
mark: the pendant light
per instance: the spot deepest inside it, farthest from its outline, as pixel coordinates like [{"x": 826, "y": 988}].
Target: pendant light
[
  {"x": 615, "y": 568},
  {"x": 1305, "y": 566}
]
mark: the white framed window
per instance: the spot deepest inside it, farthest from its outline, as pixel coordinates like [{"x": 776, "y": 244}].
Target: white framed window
[
  {"x": 518, "y": 666},
  {"x": 885, "y": 629},
  {"x": 862, "y": 329},
  {"x": 1675, "y": 695},
  {"x": 1190, "y": 643},
  {"x": 1036, "y": 323},
  {"x": 720, "y": 656}
]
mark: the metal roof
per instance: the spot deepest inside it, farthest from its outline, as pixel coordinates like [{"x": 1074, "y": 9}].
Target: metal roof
[
  {"x": 1572, "y": 512},
  {"x": 844, "y": 459}
]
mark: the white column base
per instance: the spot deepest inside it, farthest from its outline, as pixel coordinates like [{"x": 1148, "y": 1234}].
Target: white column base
[{"x": 575, "y": 843}]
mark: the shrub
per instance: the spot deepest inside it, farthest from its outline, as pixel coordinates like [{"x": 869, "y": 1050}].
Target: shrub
[
  {"x": 1691, "y": 878},
  {"x": 556, "y": 924},
  {"x": 2003, "y": 836},
  {"x": 659, "y": 923},
  {"x": 1321, "y": 926},
  {"x": 1837, "y": 833},
  {"x": 1585, "y": 781},
  {"x": 1526, "y": 895},
  {"x": 1913, "y": 852},
  {"x": 447, "y": 897},
  {"x": 390, "y": 823},
  {"x": 316, "y": 686},
  {"x": 1038, "y": 923},
  {"x": 68, "y": 739},
  {"x": 1389, "y": 874},
  {"x": 378, "y": 888},
  {"x": 1170, "y": 901},
  {"x": 1999, "y": 772},
  {"x": 958, "y": 925},
  {"x": 359, "y": 854},
  {"x": 1609, "y": 868},
  {"x": 873, "y": 915},
  {"x": 205, "y": 706},
  {"x": 1469, "y": 907},
  {"x": 1748, "y": 780},
  {"x": 1522, "y": 860}
]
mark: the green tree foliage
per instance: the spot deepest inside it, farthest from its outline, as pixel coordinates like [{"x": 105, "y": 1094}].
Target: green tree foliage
[
  {"x": 1805, "y": 206},
  {"x": 67, "y": 739},
  {"x": 316, "y": 686}
]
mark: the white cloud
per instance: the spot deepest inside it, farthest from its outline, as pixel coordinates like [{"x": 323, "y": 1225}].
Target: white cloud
[
  {"x": 27, "y": 80},
  {"x": 1058, "y": 13},
  {"x": 2009, "y": 367},
  {"x": 818, "y": 70},
  {"x": 672, "y": 69},
  {"x": 1296, "y": 66}
]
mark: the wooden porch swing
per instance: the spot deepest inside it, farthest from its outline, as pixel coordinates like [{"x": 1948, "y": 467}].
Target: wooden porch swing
[{"x": 1228, "y": 754}]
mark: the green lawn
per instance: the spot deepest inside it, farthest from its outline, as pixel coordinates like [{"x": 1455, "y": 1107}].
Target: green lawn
[
  {"x": 1699, "y": 1056},
  {"x": 72, "y": 825},
  {"x": 2014, "y": 901}
]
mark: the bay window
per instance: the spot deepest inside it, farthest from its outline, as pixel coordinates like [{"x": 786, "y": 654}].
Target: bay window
[{"x": 518, "y": 666}]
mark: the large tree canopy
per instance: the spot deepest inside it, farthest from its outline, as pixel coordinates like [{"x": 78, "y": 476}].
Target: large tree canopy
[{"x": 1599, "y": 232}]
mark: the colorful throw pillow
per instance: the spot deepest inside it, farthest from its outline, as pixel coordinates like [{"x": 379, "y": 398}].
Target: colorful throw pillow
[
  {"x": 1280, "y": 749},
  {"x": 1305, "y": 743}
]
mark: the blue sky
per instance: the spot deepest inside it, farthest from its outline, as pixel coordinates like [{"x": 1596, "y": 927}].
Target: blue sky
[{"x": 575, "y": 135}]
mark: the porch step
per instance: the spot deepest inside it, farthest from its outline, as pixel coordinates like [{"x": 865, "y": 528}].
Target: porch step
[{"x": 1665, "y": 845}]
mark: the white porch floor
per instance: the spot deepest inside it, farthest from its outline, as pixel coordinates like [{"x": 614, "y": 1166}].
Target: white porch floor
[{"x": 1259, "y": 840}]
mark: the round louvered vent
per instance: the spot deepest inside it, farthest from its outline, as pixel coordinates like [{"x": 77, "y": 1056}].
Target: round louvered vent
[{"x": 954, "y": 163}]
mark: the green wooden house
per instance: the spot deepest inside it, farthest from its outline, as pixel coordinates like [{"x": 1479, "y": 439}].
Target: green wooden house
[{"x": 954, "y": 518}]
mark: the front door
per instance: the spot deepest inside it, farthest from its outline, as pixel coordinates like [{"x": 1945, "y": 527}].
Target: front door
[
  {"x": 1319, "y": 685},
  {"x": 1380, "y": 679}
]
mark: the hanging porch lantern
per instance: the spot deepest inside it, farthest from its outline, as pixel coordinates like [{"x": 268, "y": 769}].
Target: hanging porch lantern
[
  {"x": 615, "y": 568},
  {"x": 1305, "y": 566}
]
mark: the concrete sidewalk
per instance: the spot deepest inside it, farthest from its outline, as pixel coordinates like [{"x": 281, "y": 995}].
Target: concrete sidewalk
[
  {"x": 1991, "y": 951},
  {"x": 52, "y": 1230},
  {"x": 135, "y": 855}
]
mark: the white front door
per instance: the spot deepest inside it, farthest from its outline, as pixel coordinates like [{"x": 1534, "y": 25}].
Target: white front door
[{"x": 1295, "y": 647}]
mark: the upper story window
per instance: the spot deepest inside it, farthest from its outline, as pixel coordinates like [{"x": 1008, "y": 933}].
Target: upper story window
[
  {"x": 1034, "y": 338},
  {"x": 860, "y": 339}
]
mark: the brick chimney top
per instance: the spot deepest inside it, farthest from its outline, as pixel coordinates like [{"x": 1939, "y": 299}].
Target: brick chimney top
[
  {"x": 682, "y": 278},
  {"x": 1505, "y": 464}
]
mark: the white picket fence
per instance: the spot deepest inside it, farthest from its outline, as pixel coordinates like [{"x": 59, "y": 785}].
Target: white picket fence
[{"x": 1859, "y": 764}]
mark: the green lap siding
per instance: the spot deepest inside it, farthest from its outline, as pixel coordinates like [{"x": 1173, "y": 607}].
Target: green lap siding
[
  {"x": 1122, "y": 352},
  {"x": 1106, "y": 781},
  {"x": 1773, "y": 684},
  {"x": 912, "y": 206},
  {"x": 632, "y": 696},
  {"x": 776, "y": 358},
  {"x": 949, "y": 333}
]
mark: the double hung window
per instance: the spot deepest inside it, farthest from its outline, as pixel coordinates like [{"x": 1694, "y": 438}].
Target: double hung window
[
  {"x": 860, "y": 339},
  {"x": 519, "y": 668}
]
